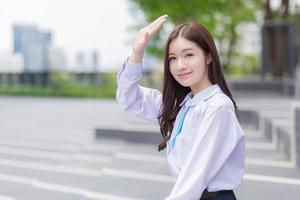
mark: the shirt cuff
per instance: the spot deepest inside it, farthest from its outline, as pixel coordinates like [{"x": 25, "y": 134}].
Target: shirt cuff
[{"x": 133, "y": 68}]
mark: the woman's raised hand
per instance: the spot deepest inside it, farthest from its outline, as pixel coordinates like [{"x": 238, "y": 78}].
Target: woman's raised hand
[{"x": 143, "y": 37}]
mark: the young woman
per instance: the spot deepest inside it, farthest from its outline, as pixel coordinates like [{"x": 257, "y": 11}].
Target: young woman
[{"x": 196, "y": 112}]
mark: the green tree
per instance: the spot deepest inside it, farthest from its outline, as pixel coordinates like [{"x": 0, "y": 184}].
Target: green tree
[
  {"x": 220, "y": 17},
  {"x": 275, "y": 42}
]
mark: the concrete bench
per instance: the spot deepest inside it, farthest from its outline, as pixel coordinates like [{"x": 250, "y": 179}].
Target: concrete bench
[
  {"x": 274, "y": 119},
  {"x": 296, "y": 129},
  {"x": 268, "y": 117},
  {"x": 130, "y": 134},
  {"x": 283, "y": 136}
]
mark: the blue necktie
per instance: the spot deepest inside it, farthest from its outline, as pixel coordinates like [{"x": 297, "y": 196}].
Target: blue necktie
[{"x": 178, "y": 131}]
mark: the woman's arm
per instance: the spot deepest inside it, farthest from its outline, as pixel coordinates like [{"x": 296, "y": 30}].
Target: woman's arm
[{"x": 141, "y": 101}]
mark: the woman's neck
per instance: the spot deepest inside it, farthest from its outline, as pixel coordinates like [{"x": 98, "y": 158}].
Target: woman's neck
[{"x": 201, "y": 87}]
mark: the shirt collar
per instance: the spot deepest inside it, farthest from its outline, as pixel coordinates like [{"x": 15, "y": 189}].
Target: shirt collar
[{"x": 200, "y": 96}]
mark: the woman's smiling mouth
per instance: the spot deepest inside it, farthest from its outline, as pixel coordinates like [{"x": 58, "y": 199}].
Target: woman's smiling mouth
[{"x": 184, "y": 75}]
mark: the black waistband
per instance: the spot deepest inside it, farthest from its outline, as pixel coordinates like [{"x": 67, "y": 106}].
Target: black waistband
[{"x": 210, "y": 195}]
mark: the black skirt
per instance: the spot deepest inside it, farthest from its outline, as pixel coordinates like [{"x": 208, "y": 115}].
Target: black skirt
[{"x": 218, "y": 195}]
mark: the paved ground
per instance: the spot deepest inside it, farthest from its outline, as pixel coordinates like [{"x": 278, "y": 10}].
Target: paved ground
[{"x": 48, "y": 151}]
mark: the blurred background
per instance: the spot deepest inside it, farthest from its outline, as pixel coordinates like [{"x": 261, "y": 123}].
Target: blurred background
[
  {"x": 85, "y": 147},
  {"x": 59, "y": 48}
]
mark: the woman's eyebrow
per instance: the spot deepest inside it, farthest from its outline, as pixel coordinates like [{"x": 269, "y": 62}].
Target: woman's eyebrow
[{"x": 186, "y": 49}]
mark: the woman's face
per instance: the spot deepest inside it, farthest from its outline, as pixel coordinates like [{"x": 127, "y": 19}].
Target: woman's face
[{"x": 188, "y": 64}]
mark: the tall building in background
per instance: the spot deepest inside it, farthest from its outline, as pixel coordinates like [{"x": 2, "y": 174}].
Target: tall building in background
[
  {"x": 57, "y": 59},
  {"x": 95, "y": 61},
  {"x": 34, "y": 45},
  {"x": 11, "y": 63},
  {"x": 80, "y": 62},
  {"x": 87, "y": 62}
]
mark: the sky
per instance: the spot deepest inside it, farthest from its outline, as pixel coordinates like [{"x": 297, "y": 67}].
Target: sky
[{"x": 78, "y": 25}]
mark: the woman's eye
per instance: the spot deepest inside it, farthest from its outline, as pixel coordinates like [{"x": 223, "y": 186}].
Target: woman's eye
[
  {"x": 189, "y": 55},
  {"x": 171, "y": 59}
]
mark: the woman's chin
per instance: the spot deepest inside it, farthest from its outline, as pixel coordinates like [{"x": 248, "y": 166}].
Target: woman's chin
[{"x": 185, "y": 83}]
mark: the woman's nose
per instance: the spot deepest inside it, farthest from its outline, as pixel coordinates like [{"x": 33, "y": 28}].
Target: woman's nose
[{"x": 180, "y": 65}]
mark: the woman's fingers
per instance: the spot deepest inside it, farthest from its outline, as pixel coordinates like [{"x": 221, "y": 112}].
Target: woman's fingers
[
  {"x": 152, "y": 24},
  {"x": 157, "y": 26},
  {"x": 146, "y": 33}
]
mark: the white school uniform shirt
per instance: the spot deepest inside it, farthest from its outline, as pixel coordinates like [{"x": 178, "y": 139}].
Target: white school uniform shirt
[{"x": 209, "y": 152}]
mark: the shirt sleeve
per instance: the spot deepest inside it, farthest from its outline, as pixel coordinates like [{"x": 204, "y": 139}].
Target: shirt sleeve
[
  {"x": 216, "y": 139},
  {"x": 135, "y": 99}
]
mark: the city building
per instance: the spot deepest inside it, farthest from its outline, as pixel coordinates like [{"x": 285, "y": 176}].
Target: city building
[
  {"x": 11, "y": 63},
  {"x": 80, "y": 65},
  {"x": 34, "y": 45},
  {"x": 87, "y": 62},
  {"x": 57, "y": 59},
  {"x": 95, "y": 61}
]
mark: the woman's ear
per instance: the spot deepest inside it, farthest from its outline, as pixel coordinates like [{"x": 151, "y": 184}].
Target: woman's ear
[{"x": 208, "y": 59}]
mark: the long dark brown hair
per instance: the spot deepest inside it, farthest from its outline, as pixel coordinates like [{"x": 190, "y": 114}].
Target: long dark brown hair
[{"x": 173, "y": 92}]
